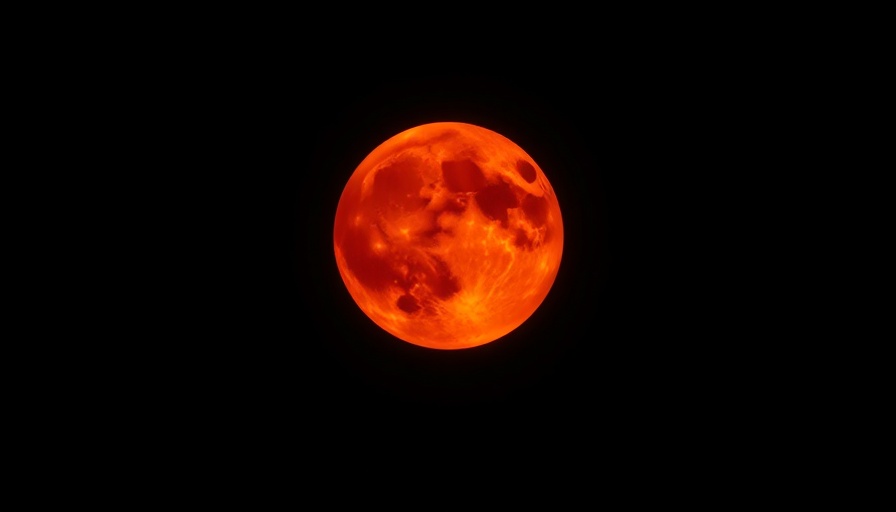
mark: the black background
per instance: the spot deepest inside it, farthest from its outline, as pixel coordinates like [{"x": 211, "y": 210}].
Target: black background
[
  {"x": 645, "y": 145},
  {"x": 671, "y": 344},
  {"x": 227, "y": 344},
  {"x": 611, "y": 148}
]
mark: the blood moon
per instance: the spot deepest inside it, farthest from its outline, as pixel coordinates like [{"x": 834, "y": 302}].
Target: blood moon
[{"x": 448, "y": 235}]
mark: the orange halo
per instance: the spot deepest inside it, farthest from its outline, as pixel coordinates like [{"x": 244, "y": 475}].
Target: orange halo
[{"x": 448, "y": 235}]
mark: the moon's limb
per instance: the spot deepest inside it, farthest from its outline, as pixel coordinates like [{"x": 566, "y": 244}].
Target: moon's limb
[{"x": 448, "y": 235}]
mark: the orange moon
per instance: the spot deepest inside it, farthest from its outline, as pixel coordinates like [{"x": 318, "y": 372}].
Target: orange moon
[{"x": 448, "y": 235}]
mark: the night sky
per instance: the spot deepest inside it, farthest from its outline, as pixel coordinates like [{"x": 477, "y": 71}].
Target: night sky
[
  {"x": 230, "y": 349},
  {"x": 635, "y": 327},
  {"x": 604, "y": 144}
]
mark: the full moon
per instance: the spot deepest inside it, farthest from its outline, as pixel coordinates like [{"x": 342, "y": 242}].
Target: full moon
[{"x": 448, "y": 235}]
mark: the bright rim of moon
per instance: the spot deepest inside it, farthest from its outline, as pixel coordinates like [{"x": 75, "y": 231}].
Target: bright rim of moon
[{"x": 448, "y": 235}]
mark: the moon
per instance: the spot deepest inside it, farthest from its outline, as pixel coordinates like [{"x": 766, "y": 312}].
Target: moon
[{"x": 448, "y": 235}]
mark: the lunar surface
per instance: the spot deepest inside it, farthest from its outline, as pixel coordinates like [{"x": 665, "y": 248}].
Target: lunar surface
[{"x": 448, "y": 236}]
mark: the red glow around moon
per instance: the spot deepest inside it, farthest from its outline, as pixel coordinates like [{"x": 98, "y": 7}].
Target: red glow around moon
[{"x": 448, "y": 235}]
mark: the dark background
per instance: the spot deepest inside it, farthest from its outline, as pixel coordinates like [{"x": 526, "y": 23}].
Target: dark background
[
  {"x": 227, "y": 347},
  {"x": 228, "y": 341},
  {"x": 620, "y": 150},
  {"x": 645, "y": 144}
]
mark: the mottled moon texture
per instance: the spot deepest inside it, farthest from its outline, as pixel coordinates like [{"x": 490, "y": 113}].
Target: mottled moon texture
[{"x": 448, "y": 235}]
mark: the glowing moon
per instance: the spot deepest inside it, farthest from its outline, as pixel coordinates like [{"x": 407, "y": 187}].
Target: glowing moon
[{"x": 448, "y": 235}]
